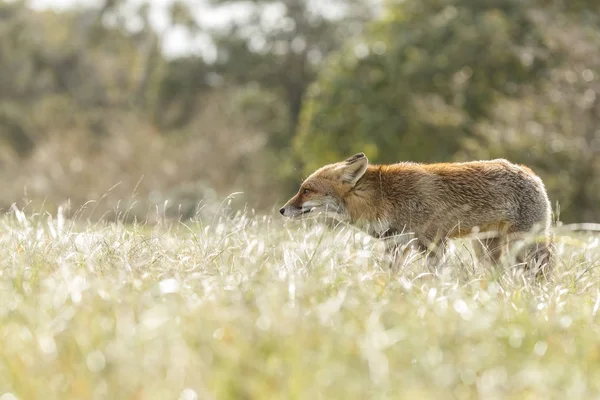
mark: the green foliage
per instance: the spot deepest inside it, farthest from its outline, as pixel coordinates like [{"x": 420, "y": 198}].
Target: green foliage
[
  {"x": 414, "y": 86},
  {"x": 92, "y": 83},
  {"x": 283, "y": 53},
  {"x": 183, "y": 85},
  {"x": 61, "y": 70},
  {"x": 554, "y": 127},
  {"x": 430, "y": 80},
  {"x": 460, "y": 79}
]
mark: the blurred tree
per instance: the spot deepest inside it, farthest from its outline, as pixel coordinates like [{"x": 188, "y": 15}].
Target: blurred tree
[
  {"x": 442, "y": 79},
  {"x": 554, "y": 128},
  {"x": 66, "y": 69},
  {"x": 414, "y": 86},
  {"x": 183, "y": 85},
  {"x": 432, "y": 80},
  {"x": 279, "y": 44},
  {"x": 169, "y": 90}
]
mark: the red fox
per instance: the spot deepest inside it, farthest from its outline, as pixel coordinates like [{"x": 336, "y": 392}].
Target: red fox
[{"x": 434, "y": 202}]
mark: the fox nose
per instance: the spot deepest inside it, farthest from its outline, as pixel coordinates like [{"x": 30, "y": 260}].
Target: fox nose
[{"x": 282, "y": 210}]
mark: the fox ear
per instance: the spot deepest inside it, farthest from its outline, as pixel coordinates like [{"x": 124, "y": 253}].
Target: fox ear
[
  {"x": 355, "y": 157},
  {"x": 353, "y": 168}
]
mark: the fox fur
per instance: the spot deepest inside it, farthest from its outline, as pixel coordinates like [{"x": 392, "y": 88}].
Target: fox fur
[{"x": 434, "y": 202}]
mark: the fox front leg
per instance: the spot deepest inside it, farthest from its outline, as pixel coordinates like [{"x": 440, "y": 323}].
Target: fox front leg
[
  {"x": 400, "y": 257},
  {"x": 399, "y": 251}
]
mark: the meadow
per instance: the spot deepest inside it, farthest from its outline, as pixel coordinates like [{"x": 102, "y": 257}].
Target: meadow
[{"x": 243, "y": 306}]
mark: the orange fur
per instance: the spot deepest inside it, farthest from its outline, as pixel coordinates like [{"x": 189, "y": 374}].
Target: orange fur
[{"x": 433, "y": 201}]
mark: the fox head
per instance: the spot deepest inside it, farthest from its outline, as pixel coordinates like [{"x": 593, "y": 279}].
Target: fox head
[{"x": 326, "y": 189}]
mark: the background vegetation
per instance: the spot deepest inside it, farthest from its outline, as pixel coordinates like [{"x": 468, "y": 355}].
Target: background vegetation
[{"x": 94, "y": 106}]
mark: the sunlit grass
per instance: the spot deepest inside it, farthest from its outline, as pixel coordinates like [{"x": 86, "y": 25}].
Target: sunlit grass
[{"x": 252, "y": 307}]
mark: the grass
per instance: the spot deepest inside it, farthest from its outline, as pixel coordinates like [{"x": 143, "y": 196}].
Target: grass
[{"x": 253, "y": 307}]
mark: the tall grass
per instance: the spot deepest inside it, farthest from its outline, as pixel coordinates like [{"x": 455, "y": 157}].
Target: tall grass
[{"x": 249, "y": 306}]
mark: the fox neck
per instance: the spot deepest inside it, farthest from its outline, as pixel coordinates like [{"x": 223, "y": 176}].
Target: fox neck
[{"x": 365, "y": 202}]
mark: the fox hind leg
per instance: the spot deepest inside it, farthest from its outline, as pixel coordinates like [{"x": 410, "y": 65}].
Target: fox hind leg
[
  {"x": 538, "y": 258},
  {"x": 537, "y": 253}
]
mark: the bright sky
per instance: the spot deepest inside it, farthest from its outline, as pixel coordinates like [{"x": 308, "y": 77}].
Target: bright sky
[{"x": 177, "y": 41}]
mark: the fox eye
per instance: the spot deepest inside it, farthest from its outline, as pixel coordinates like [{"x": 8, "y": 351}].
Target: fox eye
[{"x": 306, "y": 191}]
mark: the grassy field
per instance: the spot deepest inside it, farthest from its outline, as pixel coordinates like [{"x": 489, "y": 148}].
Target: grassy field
[{"x": 252, "y": 307}]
